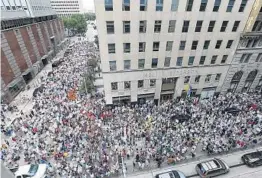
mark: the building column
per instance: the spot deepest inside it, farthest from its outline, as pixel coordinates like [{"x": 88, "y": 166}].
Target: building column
[
  {"x": 9, "y": 56},
  {"x": 32, "y": 39}
]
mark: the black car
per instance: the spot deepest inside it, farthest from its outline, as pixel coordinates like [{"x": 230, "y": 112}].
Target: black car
[
  {"x": 232, "y": 110},
  {"x": 253, "y": 159},
  {"x": 180, "y": 117}
]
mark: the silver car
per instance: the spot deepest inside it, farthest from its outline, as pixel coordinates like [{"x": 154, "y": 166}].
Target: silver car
[
  {"x": 212, "y": 168},
  {"x": 171, "y": 174}
]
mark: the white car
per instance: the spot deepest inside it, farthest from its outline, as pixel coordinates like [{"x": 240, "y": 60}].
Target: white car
[{"x": 31, "y": 170}]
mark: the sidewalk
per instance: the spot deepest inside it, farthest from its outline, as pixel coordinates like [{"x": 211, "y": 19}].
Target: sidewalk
[{"x": 189, "y": 168}]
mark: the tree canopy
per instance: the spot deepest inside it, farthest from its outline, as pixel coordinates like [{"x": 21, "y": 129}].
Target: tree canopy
[
  {"x": 75, "y": 24},
  {"x": 90, "y": 16}
]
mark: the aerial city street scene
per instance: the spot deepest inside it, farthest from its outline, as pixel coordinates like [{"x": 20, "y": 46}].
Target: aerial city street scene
[{"x": 131, "y": 88}]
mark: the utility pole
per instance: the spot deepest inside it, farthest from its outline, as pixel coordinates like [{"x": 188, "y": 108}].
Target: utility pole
[{"x": 123, "y": 167}]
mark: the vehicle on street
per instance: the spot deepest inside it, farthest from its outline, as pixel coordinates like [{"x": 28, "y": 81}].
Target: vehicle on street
[
  {"x": 253, "y": 159},
  {"x": 30, "y": 170},
  {"x": 212, "y": 168},
  {"x": 171, "y": 174}
]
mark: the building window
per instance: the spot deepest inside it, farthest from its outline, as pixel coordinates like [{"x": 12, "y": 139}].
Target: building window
[
  {"x": 229, "y": 43},
  {"x": 213, "y": 59},
  {"x": 249, "y": 43},
  {"x": 216, "y": 5},
  {"x": 186, "y": 79},
  {"x": 206, "y": 44},
  {"x": 182, "y": 45},
  {"x": 110, "y": 27},
  {"x": 202, "y": 60},
  {"x": 156, "y": 46},
  {"x": 111, "y": 48},
  {"x": 167, "y": 62},
  {"x": 224, "y": 59},
  {"x": 203, "y": 5},
  {"x": 154, "y": 63},
  {"x": 242, "y": 6},
  {"x": 197, "y": 79},
  {"x": 191, "y": 60},
  {"x": 127, "y": 85},
  {"x": 208, "y": 77},
  {"x": 194, "y": 45},
  {"x": 255, "y": 42},
  {"x": 235, "y": 26},
  {"x": 152, "y": 82},
  {"x": 126, "y": 26},
  {"x": 224, "y": 26},
  {"x": 169, "y": 45},
  {"x": 112, "y": 65},
  {"x": 127, "y": 64},
  {"x": 157, "y": 28},
  {"x": 174, "y": 5},
  {"x": 142, "y": 26},
  {"x": 141, "y": 63},
  {"x": 217, "y": 78},
  {"x": 185, "y": 26},
  {"x": 140, "y": 84},
  {"x": 189, "y": 5},
  {"x": 126, "y": 47},
  {"x": 172, "y": 26},
  {"x": 259, "y": 57},
  {"x": 218, "y": 44},
  {"x": 108, "y": 5},
  {"x": 198, "y": 26},
  {"x": 211, "y": 26},
  {"x": 179, "y": 61},
  {"x": 257, "y": 26},
  {"x": 143, "y": 5},
  {"x": 245, "y": 58},
  {"x": 159, "y": 5},
  {"x": 142, "y": 47},
  {"x": 230, "y": 5},
  {"x": 126, "y": 5},
  {"x": 114, "y": 86}
]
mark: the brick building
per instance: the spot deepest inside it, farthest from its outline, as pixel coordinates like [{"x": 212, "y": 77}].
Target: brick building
[{"x": 31, "y": 34}]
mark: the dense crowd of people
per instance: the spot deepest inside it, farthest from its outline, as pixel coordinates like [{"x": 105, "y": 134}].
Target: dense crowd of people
[{"x": 79, "y": 136}]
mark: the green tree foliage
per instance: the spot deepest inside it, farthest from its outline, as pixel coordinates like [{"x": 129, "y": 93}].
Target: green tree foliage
[
  {"x": 76, "y": 24},
  {"x": 88, "y": 83},
  {"x": 90, "y": 16}
]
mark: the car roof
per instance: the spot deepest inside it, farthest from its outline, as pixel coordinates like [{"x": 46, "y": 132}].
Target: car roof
[
  {"x": 23, "y": 170},
  {"x": 211, "y": 165},
  {"x": 171, "y": 174}
]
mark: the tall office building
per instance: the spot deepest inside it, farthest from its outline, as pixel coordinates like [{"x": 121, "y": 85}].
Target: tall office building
[
  {"x": 157, "y": 49},
  {"x": 245, "y": 72},
  {"x": 31, "y": 34},
  {"x": 66, "y": 8}
]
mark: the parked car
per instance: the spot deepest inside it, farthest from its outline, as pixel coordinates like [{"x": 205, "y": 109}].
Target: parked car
[
  {"x": 171, "y": 174},
  {"x": 211, "y": 168},
  {"x": 31, "y": 170},
  {"x": 180, "y": 117},
  {"x": 233, "y": 110},
  {"x": 253, "y": 159}
]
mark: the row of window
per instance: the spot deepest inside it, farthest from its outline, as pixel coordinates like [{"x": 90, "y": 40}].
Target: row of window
[
  {"x": 179, "y": 62},
  {"x": 56, "y": 5},
  {"x": 152, "y": 82},
  {"x": 171, "y": 27},
  {"x": 174, "y": 5},
  {"x": 57, "y": 8},
  {"x": 245, "y": 58},
  {"x": 25, "y": 21},
  {"x": 169, "y": 46},
  {"x": 69, "y": 11},
  {"x": 64, "y": 2}
]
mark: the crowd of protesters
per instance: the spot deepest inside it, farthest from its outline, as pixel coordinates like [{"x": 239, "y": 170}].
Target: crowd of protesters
[{"x": 79, "y": 136}]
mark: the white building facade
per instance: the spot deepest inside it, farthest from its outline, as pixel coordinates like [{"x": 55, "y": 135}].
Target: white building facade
[
  {"x": 66, "y": 8},
  {"x": 155, "y": 49}
]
